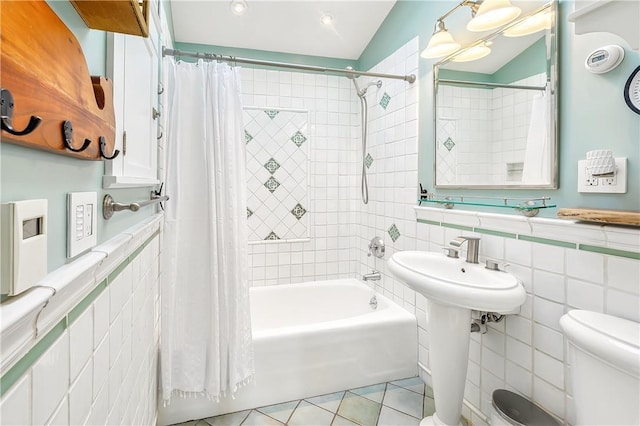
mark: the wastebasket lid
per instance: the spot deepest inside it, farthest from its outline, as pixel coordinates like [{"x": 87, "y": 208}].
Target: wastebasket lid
[{"x": 520, "y": 411}]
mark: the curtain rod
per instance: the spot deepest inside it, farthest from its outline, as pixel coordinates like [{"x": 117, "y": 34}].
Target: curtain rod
[
  {"x": 479, "y": 83},
  {"x": 411, "y": 78}
]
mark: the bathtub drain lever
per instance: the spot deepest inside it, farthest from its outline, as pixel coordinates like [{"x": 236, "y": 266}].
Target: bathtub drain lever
[{"x": 373, "y": 303}]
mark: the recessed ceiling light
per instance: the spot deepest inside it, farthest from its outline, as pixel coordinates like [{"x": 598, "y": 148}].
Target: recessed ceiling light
[
  {"x": 238, "y": 7},
  {"x": 326, "y": 19}
]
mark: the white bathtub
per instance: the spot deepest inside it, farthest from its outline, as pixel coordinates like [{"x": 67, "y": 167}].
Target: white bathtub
[{"x": 312, "y": 339}]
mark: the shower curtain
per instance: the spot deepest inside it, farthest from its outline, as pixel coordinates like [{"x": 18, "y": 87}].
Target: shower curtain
[
  {"x": 536, "y": 169},
  {"x": 206, "y": 346}
]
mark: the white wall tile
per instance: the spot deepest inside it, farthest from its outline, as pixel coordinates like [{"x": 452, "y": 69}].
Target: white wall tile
[
  {"x": 585, "y": 265},
  {"x": 549, "y": 369},
  {"x": 548, "y": 285},
  {"x": 81, "y": 342},
  {"x": 61, "y": 415},
  {"x": 50, "y": 379},
  {"x": 549, "y": 258},
  {"x": 623, "y": 274},
  {"x": 583, "y": 295},
  {"x": 15, "y": 407},
  {"x": 81, "y": 396},
  {"x": 623, "y": 305}
]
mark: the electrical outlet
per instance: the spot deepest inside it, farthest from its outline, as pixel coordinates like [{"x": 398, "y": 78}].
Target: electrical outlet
[{"x": 616, "y": 184}]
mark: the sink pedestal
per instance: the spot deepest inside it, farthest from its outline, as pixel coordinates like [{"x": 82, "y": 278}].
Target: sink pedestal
[{"x": 449, "y": 329}]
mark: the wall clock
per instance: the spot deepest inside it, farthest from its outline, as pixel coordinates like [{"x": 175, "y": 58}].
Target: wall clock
[{"x": 632, "y": 91}]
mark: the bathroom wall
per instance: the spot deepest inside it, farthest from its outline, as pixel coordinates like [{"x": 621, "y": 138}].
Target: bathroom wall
[
  {"x": 32, "y": 174},
  {"x": 586, "y": 101},
  {"x": 94, "y": 358},
  {"x": 563, "y": 266}
]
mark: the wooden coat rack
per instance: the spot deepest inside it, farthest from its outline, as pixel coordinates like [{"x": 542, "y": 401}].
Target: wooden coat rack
[{"x": 49, "y": 100}]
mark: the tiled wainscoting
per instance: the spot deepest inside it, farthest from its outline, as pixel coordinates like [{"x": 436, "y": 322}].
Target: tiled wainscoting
[
  {"x": 564, "y": 265},
  {"x": 94, "y": 359}
]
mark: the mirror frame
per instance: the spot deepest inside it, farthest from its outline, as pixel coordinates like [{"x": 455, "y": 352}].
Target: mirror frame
[{"x": 552, "y": 81}]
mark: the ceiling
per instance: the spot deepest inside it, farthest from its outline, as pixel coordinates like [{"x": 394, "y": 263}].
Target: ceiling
[{"x": 287, "y": 26}]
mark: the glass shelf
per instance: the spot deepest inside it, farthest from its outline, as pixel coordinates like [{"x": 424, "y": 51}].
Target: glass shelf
[{"x": 527, "y": 206}]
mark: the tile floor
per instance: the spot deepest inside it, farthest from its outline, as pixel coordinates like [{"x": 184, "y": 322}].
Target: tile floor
[{"x": 399, "y": 403}]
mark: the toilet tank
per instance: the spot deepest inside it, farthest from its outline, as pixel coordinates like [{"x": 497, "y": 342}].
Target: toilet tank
[{"x": 604, "y": 367}]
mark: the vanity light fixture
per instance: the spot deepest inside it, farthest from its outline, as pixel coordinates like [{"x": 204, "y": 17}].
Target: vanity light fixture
[
  {"x": 486, "y": 15},
  {"x": 238, "y": 7},
  {"x": 534, "y": 23},
  {"x": 473, "y": 53},
  {"x": 441, "y": 43},
  {"x": 493, "y": 14}
]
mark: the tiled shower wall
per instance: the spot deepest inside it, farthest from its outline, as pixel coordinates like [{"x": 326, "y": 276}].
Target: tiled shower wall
[{"x": 333, "y": 143}]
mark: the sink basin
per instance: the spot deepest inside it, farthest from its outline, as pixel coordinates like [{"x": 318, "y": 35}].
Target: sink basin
[
  {"x": 453, "y": 288},
  {"x": 454, "y": 282}
]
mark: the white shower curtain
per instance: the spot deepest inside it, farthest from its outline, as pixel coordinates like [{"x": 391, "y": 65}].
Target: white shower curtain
[
  {"x": 536, "y": 169},
  {"x": 206, "y": 346}
]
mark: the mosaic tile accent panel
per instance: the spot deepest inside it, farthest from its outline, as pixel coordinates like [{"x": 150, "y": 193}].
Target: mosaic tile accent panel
[
  {"x": 368, "y": 160},
  {"x": 384, "y": 101},
  {"x": 272, "y": 165},
  {"x": 247, "y": 137},
  {"x": 449, "y": 144},
  {"x": 272, "y": 184},
  {"x": 272, "y": 236},
  {"x": 298, "y": 211},
  {"x": 249, "y": 213},
  {"x": 394, "y": 233},
  {"x": 447, "y": 156},
  {"x": 298, "y": 138},
  {"x": 277, "y": 174}
]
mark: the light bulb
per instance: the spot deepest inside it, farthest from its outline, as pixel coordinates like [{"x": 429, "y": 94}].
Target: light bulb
[
  {"x": 238, "y": 7},
  {"x": 492, "y": 14}
]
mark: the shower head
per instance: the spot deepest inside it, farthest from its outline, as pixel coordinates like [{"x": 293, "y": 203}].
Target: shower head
[{"x": 361, "y": 93}]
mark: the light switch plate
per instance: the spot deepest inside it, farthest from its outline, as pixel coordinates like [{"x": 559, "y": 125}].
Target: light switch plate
[
  {"x": 616, "y": 184},
  {"x": 82, "y": 222}
]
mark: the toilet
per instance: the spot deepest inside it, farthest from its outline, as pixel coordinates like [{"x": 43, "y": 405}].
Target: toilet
[{"x": 604, "y": 367}]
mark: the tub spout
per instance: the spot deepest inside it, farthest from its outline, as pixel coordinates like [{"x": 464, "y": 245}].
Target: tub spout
[{"x": 373, "y": 276}]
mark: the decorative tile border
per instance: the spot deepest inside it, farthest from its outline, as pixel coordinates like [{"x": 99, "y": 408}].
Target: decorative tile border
[
  {"x": 20, "y": 367},
  {"x": 394, "y": 233},
  {"x": 547, "y": 241}
]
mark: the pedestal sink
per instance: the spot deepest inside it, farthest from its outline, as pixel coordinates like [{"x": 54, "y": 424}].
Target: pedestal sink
[{"x": 453, "y": 288}]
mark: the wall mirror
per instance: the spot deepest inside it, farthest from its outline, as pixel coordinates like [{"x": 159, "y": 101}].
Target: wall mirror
[{"x": 495, "y": 117}]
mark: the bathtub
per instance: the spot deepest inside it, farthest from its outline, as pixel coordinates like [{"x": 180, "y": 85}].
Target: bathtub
[{"x": 312, "y": 339}]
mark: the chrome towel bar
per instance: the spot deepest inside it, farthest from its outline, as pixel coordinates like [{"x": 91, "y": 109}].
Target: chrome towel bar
[{"x": 109, "y": 206}]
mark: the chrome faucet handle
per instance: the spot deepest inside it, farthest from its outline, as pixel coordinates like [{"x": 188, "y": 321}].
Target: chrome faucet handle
[
  {"x": 376, "y": 247},
  {"x": 495, "y": 265},
  {"x": 451, "y": 252}
]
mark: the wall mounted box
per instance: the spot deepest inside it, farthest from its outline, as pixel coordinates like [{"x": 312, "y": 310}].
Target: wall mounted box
[{"x": 23, "y": 236}]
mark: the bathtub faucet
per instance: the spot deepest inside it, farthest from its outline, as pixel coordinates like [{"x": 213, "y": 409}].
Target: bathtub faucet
[{"x": 373, "y": 276}]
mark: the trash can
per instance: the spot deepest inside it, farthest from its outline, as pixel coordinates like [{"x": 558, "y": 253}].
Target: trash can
[{"x": 513, "y": 409}]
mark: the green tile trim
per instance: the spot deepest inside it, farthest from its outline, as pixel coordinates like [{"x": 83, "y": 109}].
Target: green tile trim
[
  {"x": 566, "y": 244},
  {"x": 20, "y": 368},
  {"x": 610, "y": 251},
  {"x": 454, "y": 226},
  {"x": 137, "y": 251},
  {"x": 113, "y": 275},
  {"x": 84, "y": 303},
  {"x": 547, "y": 241},
  {"x": 429, "y": 222},
  {"x": 496, "y": 233}
]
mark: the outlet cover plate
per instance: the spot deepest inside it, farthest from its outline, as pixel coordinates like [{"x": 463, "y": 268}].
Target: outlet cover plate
[
  {"x": 82, "y": 222},
  {"x": 603, "y": 185}
]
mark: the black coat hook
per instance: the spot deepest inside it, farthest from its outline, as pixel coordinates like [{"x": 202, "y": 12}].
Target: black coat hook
[
  {"x": 6, "y": 111},
  {"x": 103, "y": 145},
  {"x": 67, "y": 137}
]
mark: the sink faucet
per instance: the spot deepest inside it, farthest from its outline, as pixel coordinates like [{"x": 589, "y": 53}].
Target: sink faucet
[{"x": 472, "y": 250}]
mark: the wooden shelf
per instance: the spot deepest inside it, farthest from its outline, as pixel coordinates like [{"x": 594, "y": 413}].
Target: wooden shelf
[
  {"x": 117, "y": 16},
  {"x": 614, "y": 217}
]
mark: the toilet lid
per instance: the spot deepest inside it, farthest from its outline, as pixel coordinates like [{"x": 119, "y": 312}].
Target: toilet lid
[{"x": 615, "y": 340}]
